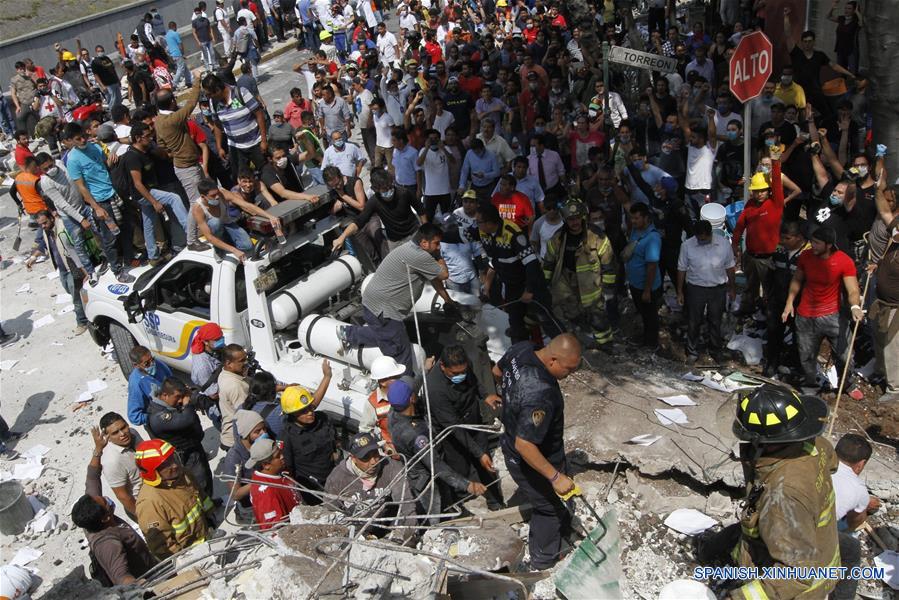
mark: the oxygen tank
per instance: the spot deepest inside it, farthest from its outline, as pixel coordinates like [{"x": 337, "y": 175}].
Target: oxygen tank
[
  {"x": 318, "y": 334},
  {"x": 292, "y": 303}
]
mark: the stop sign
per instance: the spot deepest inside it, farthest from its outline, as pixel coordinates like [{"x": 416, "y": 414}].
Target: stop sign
[{"x": 750, "y": 66}]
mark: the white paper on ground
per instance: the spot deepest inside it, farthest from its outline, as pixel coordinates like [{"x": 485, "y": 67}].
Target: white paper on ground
[
  {"x": 85, "y": 397},
  {"x": 647, "y": 439},
  {"x": 7, "y": 365},
  {"x": 52, "y": 275},
  {"x": 691, "y": 377},
  {"x": 63, "y": 299},
  {"x": 29, "y": 470},
  {"x": 57, "y": 344},
  {"x": 23, "y": 288},
  {"x": 66, "y": 309},
  {"x": 689, "y": 521},
  {"x": 42, "y": 522},
  {"x": 30, "y": 371},
  {"x": 678, "y": 400},
  {"x": 671, "y": 416},
  {"x": 96, "y": 385},
  {"x": 45, "y": 320},
  {"x": 25, "y": 556},
  {"x": 36, "y": 451},
  {"x": 889, "y": 562},
  {"x": 711, "y": 383}
]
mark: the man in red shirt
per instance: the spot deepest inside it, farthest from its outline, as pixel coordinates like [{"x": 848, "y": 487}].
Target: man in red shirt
[
  {"x": 820, "y": 274},
  {"x": 271, "y": 502},
  {"x": 513, "y": 205},
  {"x": 469, "y": 83},
  {"x": 22, "y": 149},
  {"x": 760, "y": 220}
]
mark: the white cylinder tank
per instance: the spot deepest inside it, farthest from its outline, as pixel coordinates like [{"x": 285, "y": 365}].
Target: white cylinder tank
[
  {"x": 318, "y": 334},
  {"x": 295, "y": 302}
]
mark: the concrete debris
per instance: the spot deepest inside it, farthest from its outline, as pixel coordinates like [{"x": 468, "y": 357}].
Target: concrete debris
[
  {"x": 392, "y": 574},
  {"x": 304, "y": 514},
  {"x": 719, "y": 504},
  {"x": 492, "y": 546},
  {"x": 651, "y": 498}
]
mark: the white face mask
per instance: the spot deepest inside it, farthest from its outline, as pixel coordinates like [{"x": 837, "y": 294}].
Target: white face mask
[
  {"x": 52, "y": 171},
  {"x": 281, "y": 162}
]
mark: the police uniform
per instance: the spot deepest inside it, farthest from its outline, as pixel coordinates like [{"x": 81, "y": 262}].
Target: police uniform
[
  {"x": 784, "y": 269},
  {"x": 410, "y": 436},
  {"x": 181, "y": 427},
  {"x": 533, "y": 409},
  {"x": 517, "y": 271},
  {"x": 309, "y": 451}
]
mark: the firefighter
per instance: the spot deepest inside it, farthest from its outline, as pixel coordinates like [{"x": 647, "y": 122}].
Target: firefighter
[
  {"x": 171, "y": 511},
  {"x": 384, "y": 371},
  {"x": 788, "y": 517},
  {"x": 579, "y": 267}
]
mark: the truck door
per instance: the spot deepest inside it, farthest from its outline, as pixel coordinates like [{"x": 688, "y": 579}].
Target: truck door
[{"x": 181, "y": 296}]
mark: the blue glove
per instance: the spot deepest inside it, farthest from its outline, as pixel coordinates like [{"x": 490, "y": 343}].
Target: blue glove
[{"x": 881, "y": 150}]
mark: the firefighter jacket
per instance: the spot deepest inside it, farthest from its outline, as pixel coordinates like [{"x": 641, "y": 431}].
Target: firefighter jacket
[
  {"x": 594, "y": 264},
  {"x": 792, "y": 524},
  {"x": 172, "y": 516}
]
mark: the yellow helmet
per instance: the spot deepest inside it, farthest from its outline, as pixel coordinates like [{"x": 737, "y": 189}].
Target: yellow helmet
[
  {"x": 68, "y": 56},
  {"x": 758, "y": 182},
  {"x": 295, "y": 399}
]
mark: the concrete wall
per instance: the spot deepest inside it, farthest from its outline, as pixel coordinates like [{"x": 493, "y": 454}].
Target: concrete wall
[{"x": 101, "y": 28}]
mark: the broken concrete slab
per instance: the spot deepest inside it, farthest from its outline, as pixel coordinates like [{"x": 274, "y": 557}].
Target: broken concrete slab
[
  {"x": 492, "y": 546},
  {"x": 605, "y": 410},
  {"x": 652, "y": 500}
]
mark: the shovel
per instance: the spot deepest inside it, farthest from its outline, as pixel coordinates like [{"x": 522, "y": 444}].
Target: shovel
[{"x": 18, "y": 241}]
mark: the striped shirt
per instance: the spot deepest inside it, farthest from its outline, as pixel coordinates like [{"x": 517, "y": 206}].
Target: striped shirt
[{"x": 238, "y": 118}]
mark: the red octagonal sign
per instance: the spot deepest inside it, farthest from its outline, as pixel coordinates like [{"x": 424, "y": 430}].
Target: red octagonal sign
[{"x": 750, "y": 66}]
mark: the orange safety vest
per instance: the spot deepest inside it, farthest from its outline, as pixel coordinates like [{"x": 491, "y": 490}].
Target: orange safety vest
[
  {"x": 382, "y": 409},
  {"x": 32, "y": 201}
]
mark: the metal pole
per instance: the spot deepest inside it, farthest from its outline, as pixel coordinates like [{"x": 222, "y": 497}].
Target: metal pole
[
  {"x": 747, "y": 146},
  {"x": 606, "y": 111}
]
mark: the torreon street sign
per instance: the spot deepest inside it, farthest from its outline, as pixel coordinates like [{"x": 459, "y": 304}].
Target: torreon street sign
[{"x": 642, "y": 60}]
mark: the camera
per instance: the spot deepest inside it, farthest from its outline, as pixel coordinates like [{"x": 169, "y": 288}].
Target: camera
[{"x": 252, "y": 363}]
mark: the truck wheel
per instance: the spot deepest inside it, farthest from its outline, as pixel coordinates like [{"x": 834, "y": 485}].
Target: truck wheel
[{"x": 122, "y": 342}]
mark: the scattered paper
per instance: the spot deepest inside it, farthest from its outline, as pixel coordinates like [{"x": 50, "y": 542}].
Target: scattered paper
[
  {"x": 37, "y": 451},
  {"x": 52, "y": 275},
  {"x": 57, "y": 344},
  {"x": 31, "y": 371},
  {"x": 716, "y": 385},
  {"x": 7, "y": 365},
  {"x": 671, "y": 416},
  {"x": 63, "y": 299},
  {"x": 647, "y": 439},
  {"x": 25, "y": 556},
  {"x": 29, "y": 470},
  {"x": 66, "y": 309},
  {"x": 679, "y": 400},
  {"x": 42, "y": 522},
  {"x": 751, "y": 348},
  {"x": 23, "y": 288},
  {"x": 889, "y": 562},
  {"x": 691, "y": 377},
  {"x": 45, "y": 320},
  {"x": 96, "y": 385},
  {"x": 689, "y": 521},
  {"x": 85, "y": 397}
]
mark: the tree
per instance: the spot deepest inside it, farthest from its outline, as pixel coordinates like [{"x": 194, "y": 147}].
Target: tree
[{"x": 882, "y": 30}]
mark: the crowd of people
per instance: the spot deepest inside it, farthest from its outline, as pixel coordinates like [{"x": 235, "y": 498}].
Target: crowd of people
[{"x": 476, "y": 149}]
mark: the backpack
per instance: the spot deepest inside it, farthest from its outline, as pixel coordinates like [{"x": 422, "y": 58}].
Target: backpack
[{"x": 121, "y": 179}]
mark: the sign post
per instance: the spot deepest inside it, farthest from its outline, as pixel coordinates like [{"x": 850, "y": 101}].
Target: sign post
[
  {"x": 750, "y": 68},
  {"x": 606, "y": 112}
]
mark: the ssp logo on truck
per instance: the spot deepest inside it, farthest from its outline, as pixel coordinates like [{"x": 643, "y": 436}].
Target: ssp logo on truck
[{"x": 118, "y": 289}]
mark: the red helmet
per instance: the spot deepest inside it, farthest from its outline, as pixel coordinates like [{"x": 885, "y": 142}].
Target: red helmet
[{"x": 149, "y": 455}]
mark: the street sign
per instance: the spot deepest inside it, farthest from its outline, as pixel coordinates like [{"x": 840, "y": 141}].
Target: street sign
[
  {"x": 642, "y": 60},
  {"x": 751, "y": 66}
]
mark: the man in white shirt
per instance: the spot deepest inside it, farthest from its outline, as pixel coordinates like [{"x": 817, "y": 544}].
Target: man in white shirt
[
  {"x": 496, "y": 144},
  {"x": 344, "y": 155},
  {"x": 440, "y": 118},
  {"x": 705, "y": 265},
  {"x": 383, "y": 124},
  {"x": 725, "y": 115},
  {"x": 223, "y": 21},
  {"x": 701, "y": 145},
  {"x": 434, "y": 164},
  {"x": 247, "y": 14},
  {"x": 460, "y": 253},
  {"x": 408, "y": 21},
  {"x": 388, "y": 49},
  {"x": 852, "y": 505}
]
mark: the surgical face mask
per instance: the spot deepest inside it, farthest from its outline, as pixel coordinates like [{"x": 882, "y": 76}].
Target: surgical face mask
[
  {"x": 339, "y": 144},
  {"x": 110, "y": 503},
  {"x": 770, "y": 142},
  {"x": 638, "y": 164},
  {"x": 733, "y": 135},
  {"x": 151, "y": 370},
  {"x": 281, "y": 162},
  {"x": 206, "y": 113},
  {"x": 532, "y": 87},
  {"x": 624, "y": 139},
  {"x": 786, "y": 79},
  {"x": 264, "y": 436},
  {"x": 557, "y": 90},
  {"x": 530, "y": 25},
  {"x": 605, "y": 190},
  {"x": 387, "y": 195},
  {"x": 435, "y": 147},
  {"x": 539, "y": 129},
  {"x": 52, "y": 171},
  {"x": 835, "y": 200},
  {"x": 723, "y": 109},
  {"x": 212, "y": 201},
  {"x": 457, "y": 379},
  {"x": 765, "y": 169},
  {"x": 668, "y": 127},
  {"x": 862, "y": 170}
]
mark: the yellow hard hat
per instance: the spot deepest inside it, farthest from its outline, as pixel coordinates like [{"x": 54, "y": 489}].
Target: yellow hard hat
[
  {"x": 67, "y": 56},
  {"x": 295, "y": 399},
  {"x": 470, "y": 193},
  {"x": 325, "y": 34},
  {"x": 758, "y": 182}
]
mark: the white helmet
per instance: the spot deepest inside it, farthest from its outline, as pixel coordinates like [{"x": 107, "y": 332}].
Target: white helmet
[
  {"x": 384, "y": 367},
  {"x": 686, "y": 589}
]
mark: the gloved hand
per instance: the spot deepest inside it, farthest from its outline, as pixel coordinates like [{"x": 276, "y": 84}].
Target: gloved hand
[
  {"x": 451, "y": 309},
  {"x": 881, "y": 150}
]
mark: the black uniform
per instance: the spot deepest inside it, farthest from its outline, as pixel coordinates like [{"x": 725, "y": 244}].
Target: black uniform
[
  {"x": 460, "y": 403},
  {"x": 309, "y": 452},
  {"x": 517, "y": 271},
  {"x": 180, "y": 426},
  {"x": 410, "y": 436},
  {"x": 533, "y": 409},
  {"x": 784, "y": 269}
]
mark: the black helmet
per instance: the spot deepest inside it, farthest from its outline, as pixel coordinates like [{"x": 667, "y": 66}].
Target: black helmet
[{"x": 772, "y": 414}]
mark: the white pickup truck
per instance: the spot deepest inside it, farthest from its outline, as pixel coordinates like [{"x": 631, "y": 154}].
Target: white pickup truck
[{"x": 284, "y": 303}]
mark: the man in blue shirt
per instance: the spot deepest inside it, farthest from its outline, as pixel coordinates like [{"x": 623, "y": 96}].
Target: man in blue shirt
[
  {"x": 641, "y": 258},
  {"x": 480, "y": 167},
  {"x": 405, "y": 162},
  {"x": 176, "y": 51},
  {"x": 144, "y": 383}
]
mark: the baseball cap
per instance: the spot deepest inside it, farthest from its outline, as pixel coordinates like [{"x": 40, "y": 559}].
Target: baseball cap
[
  {"x": 246, "y": 420},
  {"x": 106, "y": 133},
  {"x": 453, "y": 79},
  {"x": 278, "y": 113},
  {"x": 399, "y": 394},
  {"x": 261, "y": 450},
  {"x": 363, "y": 444}
]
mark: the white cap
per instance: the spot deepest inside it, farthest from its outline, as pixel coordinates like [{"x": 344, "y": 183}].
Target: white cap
[{"x": 385, "y": 367}]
